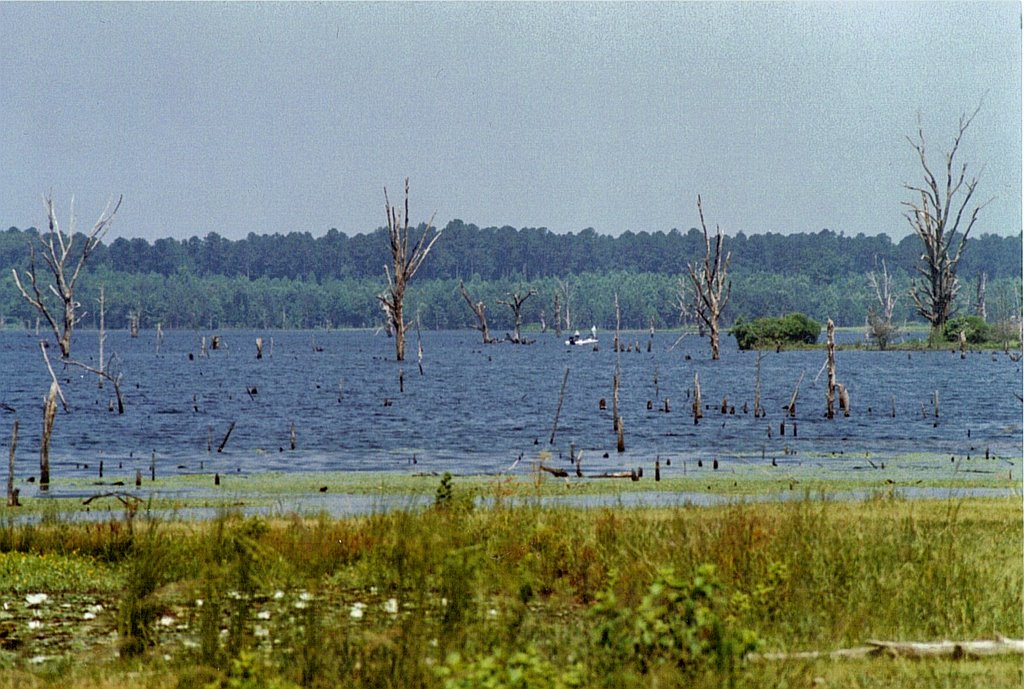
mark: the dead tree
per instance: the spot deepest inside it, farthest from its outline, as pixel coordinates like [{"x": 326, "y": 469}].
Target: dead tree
[
  {"x": 566, "y": 290},
  {"x": 880, "y": 326},
  {"x": 558, "y": 317},
  {"x": 691, "y": 308},
  {"x": 405, "y": 261},
  {"x": 711, "y": 282},
  {"x": 103, "y": 330},
  {"x": 49, "y": 417},
  {"x": 936, "y": 219},
  {"x": 12, "y": 492},
  {"x": 698, "y": 407},
  {"x": 979, "y": 303},
  {"x": 620, "y": 444},
  {"x": 830, "y": 396},
  {"x": 478, "y": 310},
  {"x": 63, "y": 259},
  {"x": 515, "y": 302}
]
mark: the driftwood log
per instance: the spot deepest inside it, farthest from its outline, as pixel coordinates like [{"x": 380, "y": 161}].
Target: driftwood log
[{"x": 908, "y": 649}]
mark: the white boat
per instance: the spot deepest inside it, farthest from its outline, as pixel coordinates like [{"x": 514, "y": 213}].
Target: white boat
[{"x": 576, "y": 340}]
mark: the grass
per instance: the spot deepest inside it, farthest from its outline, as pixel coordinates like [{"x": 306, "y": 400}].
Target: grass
[{"x": 518, "y": 594}]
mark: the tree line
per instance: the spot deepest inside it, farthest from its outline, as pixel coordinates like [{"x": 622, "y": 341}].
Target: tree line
[
  {"x": 494, "y": 253},
  {"x": 297, "y": 281}
]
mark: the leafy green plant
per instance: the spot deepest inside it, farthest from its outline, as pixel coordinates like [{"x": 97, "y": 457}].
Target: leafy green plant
[
  {"x": 445, "y": 493},
  {"x": 975, "y": 329},
  {"x": 446, "y": 498},
  {"x": 502, "y": 669},
  {"x": 794, "y": 328},
  {"x": 680, "y": 623}
]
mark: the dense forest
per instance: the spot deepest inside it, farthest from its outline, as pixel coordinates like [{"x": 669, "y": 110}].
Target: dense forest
[{"x": 296, "y": 280}]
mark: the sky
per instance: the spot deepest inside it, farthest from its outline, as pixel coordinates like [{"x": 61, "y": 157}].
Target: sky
[{"x": 258, "y": 117}]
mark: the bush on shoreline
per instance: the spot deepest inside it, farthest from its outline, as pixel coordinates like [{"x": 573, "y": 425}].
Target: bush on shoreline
[{"x": 760, "y": 333}]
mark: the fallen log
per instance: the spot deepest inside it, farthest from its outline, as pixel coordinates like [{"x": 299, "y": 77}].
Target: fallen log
[
  {"x": 908, "y": 649},
  {"x": 558, "y": 473}
]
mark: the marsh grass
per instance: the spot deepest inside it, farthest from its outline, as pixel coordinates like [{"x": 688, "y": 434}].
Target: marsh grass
[{"x": 456, "y": 595}]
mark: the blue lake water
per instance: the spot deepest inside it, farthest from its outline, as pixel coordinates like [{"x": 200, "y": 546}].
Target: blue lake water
[{"x": 477, "y": 409}]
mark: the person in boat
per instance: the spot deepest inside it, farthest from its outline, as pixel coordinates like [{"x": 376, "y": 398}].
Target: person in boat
[{"x": 574, "y": 338}]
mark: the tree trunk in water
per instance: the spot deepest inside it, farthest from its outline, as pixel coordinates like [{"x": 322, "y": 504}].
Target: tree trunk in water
[
  {"x": 830, "y": 411},
  {"x": 49, "y": 416},
  {"x": 698, "y": 412},
  {"x": 12, "y": 494},
  {"x": 399, "y": 326}
]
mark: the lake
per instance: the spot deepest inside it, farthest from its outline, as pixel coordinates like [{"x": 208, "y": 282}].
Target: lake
[{"x": 479, "y": 409}]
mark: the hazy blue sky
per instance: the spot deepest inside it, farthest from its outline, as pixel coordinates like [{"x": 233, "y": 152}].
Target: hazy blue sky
[{"x": 237, "y": 118}]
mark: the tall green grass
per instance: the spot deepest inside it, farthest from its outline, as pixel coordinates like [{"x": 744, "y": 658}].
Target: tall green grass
[{"x": 531, "y": 596}]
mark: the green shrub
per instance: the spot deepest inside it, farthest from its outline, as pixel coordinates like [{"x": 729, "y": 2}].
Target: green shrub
[
  {"x": 503, "y": 670},
  {"x": 794, "y": 328},
  {"x": 679, "y": 624},
  {"x": 974, "y": 327}
]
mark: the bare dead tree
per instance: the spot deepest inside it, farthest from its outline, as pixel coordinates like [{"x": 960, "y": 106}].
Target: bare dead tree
[
  {"x": 830, "y": 394},
  {"x": 937, "y": 219},
  {"x": 478, "y": 310},
  {"x": 566, "y": 290},
  {"x": 515, "y": 301},
  {"x": 64, "y": 256},
  {"x": 979, "y": 302},
  {"x": 405, "y": 261},
  {"x": 63, "y": 260},
  {"x": 12, "y": 493},
  {"x": 711, "y": 282},
  {"x": 49, "y": 417},
  {"x": 103, "y": 329},
  {"x": 880, "y": 327},
  {"x": 558, "y": 316}
]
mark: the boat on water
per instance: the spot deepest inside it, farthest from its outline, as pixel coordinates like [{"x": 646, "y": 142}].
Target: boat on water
[{"x": 577, "y": 340}]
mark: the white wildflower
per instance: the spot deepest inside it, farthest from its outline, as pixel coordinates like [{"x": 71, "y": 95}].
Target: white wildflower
[
  {"x": 34, "y": 599},
  {"x": 166, "y": 621},
  {"x": 89, "y": 616},
  {"x": 263, "y": 615},
  {"x": 391, "y": 606},
  {"x": 356, "y": 613},
  {"x": 306, "y": 596},
  {"x": 260, "y": 632},
  {"x": 278, "y": 595},
  {"x": 35, "y": 624}
]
